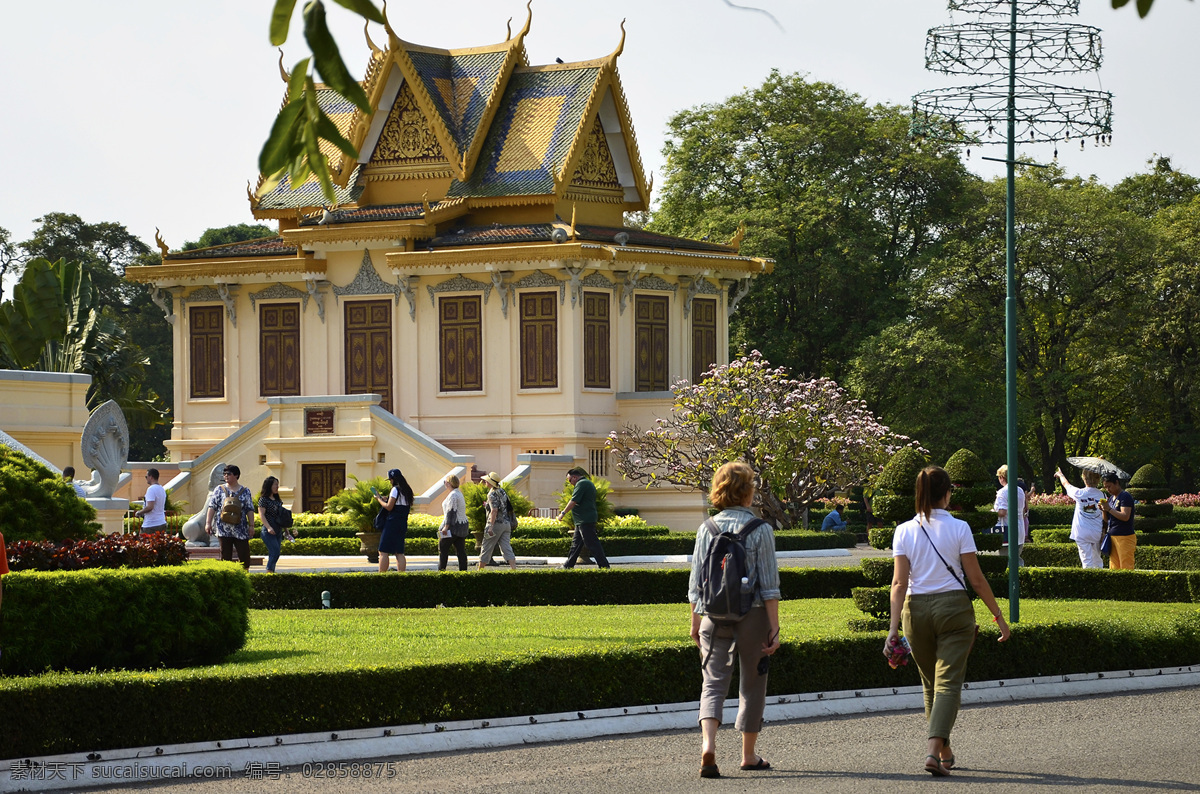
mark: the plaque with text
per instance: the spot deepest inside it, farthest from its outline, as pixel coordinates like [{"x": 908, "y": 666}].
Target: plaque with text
[{"x": 318, "y": 422}]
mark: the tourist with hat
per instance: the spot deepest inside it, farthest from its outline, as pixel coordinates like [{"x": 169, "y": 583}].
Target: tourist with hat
[
  {"x": 582, "y": 508},
  {"x": 499, "y": 527},
  {"x": 395, "y": 529}
]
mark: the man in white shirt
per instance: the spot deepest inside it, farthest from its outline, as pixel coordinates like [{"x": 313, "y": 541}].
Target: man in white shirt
[
  {"x": 1087, "y": 524},
  {"x": 153, "y": 513},
  {"x": 1001, "y": 507}
]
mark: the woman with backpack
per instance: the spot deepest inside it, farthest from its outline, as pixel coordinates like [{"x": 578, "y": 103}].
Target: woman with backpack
[
  {"x": 230, "y": 509},
  {"x": 499, "y": 528},
  {"x": 934, "y": 553},
  {"x": 750, "y": 626},
  {"x": 395, "y": 529}
]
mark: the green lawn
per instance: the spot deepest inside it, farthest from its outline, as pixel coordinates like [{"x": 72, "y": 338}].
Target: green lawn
[{"x": 308, "y": 640}]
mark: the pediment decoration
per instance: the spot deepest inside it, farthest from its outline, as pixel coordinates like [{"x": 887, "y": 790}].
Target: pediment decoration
[
  {"x": 222, "y": 293},
  {"x": 596, "y": 170},
  {"x": 367, "y": 282},
  {"x": 407, "y": 138},
  {"x": 656, "y": 283},
  {"x": 279, "y": 291},
  {"x": 538, "y": 279},
  {"x": 598, "y": 281},
  {"x": 201, "y": 295},
  {"x": 459, "y": 283}
]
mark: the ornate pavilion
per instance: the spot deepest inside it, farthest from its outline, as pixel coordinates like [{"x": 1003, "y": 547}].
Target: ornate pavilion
[{"x": 474, "y": 300}]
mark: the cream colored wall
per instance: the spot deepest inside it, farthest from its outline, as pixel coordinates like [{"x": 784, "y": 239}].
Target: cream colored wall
[{"x": 46, "y": 411}]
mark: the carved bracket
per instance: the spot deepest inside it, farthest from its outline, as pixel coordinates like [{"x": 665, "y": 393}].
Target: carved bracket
[
  {"x": 226, "y": 293},
  {"x": 628, "y": 283},
  {"x": 695, "y": 286},
  {"x": 735, "y": 296},
  {"x": 316, "y": 289},
  {"x": 500, "y": 280},
  {"x": 408, "y": 288},
  {"x": 575, "y": 286},
  {"x": 165, "y": 300}
]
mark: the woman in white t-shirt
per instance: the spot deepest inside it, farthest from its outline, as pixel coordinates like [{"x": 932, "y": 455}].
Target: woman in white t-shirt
[
  {"x": 1087, "y": 525},
  {"x": 933, "y": 553}
]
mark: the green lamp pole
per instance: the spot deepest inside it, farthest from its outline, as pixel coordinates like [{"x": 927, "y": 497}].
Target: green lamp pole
[{"x": 1015, "y": 527}]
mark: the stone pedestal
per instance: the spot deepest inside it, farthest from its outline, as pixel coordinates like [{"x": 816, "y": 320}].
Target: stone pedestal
[{"x": 110, "y": 513}]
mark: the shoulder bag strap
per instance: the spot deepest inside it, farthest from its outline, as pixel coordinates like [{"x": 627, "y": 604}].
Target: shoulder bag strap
[{"x": 957, "y": 578}]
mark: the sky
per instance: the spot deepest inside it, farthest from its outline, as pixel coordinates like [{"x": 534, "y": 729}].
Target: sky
[{"x": 151, "y": 113}]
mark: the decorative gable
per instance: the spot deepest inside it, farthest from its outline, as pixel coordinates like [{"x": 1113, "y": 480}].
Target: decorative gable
[
  {"x": 596, "y": 172},
  {"x": 407, "y": 145}
]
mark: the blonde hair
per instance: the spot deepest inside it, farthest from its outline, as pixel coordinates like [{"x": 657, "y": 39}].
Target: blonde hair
[
  {"x": 453, "y": 481},
  {"x": 1002, "y": 472},
  {"x": 1091, "y": 479},
  {"x": 731, "y": 485}
]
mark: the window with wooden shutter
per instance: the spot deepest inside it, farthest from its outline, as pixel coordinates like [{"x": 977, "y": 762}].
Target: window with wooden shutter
[
  {"x": 704, "y": 337},
  {"x": 650, "y": 336},
  {"x": 539, "y": 340},
  {"x": 206, "y": 332},
  {"x": 369, "y": 349},
  {"x": 595, "y": 340},
  {"x": 461, "y": 335},
  {"x": 279, "y": 349}
]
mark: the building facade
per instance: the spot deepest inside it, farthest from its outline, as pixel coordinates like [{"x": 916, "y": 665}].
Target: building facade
[{"x": 474, "y": 302}]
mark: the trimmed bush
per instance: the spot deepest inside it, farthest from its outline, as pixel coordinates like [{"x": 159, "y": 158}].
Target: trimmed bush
[
  {"x": 104, "y": 619},
  {"x": 1056, "y": 515},
  {"x": 878, "y": 570},
  {"x": 519, "y": 588},
  {"x": 881, "y": 538},
  {"x": 37, "y": 504},
  {"x": 1148, "y": 558},
  {"x": 44, "y": 715},
  {"x": 1103, "y": 584},
  {"x": 1154, "y": 510},
  {"x": 312, "y": 547},
  {"x": 1148, "y": 484}
]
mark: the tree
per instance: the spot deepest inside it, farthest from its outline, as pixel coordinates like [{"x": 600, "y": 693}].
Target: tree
[
  {"x": 105, "y": 249},
  {"x": 236, "y": 233},
  {"x": 1084, "y": 266},
  {"x": 8, "y": 256},
  {"x": 1160, "y": 188},
  {"x": 54, "y": 323},
  {"x": 831, "y": 189},
  {"x": 804, "y": 440}
]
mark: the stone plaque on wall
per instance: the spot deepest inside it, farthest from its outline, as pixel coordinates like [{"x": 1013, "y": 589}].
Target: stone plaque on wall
[{"x": 318, "y": 422}]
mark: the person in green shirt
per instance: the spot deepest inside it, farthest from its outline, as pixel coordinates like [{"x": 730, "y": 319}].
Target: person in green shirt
[{"x": 582, "y": 508}]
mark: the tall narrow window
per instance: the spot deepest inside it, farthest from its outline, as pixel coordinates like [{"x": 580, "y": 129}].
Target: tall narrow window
[
  {"x": 539, "y": 340},
  {"x": 650, "y": 342},
  {"x": 279, "y": 349},
  {"x": 206, "y": 331},
  {"x": 704, "y": 337},
  {"x": 595, "y": 340},
  {"x": 461, "y": 334}
]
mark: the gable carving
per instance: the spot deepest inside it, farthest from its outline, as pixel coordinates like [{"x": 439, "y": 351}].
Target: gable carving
[
  {"x": 596, "y": 170},
  {"x": 407, "y": 138}
]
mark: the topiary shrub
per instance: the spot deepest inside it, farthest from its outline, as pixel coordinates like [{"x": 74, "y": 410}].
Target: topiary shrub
[
  {"x": 37, "y": 504},
  {"x": 896, "y": 485},
  {"x": 972, "y": 487},
  {"x": 1148, "y": 485},
  {"x": 967, "y": 468}
]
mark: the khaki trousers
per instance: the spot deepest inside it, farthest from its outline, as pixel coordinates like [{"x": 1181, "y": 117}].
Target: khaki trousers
[
  {"x": 941, "y": 628},
  {"x": 717, "y": 647},
  {"x": 1123, "y": 548}
]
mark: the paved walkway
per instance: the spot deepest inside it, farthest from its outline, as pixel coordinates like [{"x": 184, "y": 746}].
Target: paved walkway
[{"x": 1143, "y": 742}]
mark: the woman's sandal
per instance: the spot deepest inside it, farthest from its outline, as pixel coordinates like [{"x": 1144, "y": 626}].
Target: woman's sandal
[
  {"x": 761, "y": 764},
  {"x": 935, "y": 767},
  {"x": 708, "y": 765}
]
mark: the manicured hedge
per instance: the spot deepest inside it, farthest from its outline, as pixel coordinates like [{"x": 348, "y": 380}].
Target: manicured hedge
[
  {"x": 520, "y": 588},
  {"x": 878, "y": 570},
  {"x": 881, "y": 538},
  {"x": 309, "y": 547},
  {"x": 47, "y": 716},
  {"x": 1152, "y": 558},
  {"x": 145, "y": 617},
  {"x": 1041, "y": 515},
  {"x": 1165, "y": 538}
]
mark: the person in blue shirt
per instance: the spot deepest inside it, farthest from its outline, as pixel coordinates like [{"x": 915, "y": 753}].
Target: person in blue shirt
[{"x": 835, "y": 522}]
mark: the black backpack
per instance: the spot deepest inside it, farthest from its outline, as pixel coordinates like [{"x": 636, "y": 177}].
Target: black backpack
[{"x": 722, "y": 596}]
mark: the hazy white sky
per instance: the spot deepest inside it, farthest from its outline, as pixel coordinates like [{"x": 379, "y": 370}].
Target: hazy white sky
[{"x": 151, "y": 113}]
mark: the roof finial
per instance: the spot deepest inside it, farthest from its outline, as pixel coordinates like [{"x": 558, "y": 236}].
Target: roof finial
[
  {"x": 528, "y": 19},
  {"x": 464, "y": 166},
  {"x": 162, "y": 246},
  {"x": 366, "y": 32},
  {"x": 387, "y": 24},
  {"x": 250, "y": 195},
  {"x": 736, "y": 241},
  {"x": 508, "y": 30},
  {"x": 572, "y": 232},
  {"x": 283, "y": 72},
  {"x": 650, "y": 187},
  {"x": 425, "y": 203},
  {"x": 620, "y": 47}
]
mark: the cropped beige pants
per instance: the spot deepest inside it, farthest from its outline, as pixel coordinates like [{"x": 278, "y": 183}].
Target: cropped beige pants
[{"x": 718, "y": 645}]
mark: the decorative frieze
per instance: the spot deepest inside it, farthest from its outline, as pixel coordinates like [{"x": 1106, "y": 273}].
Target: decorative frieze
[
  {"x": 459, "y": 283},
  {"x": 367, "y": 282},
  {"x": 223, "y": 293},
  {"x": 538, "y": 279},
  {"x": 279, "y": 291}
]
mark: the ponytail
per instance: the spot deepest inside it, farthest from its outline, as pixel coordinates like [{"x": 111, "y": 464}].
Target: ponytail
[{"x": 933, "y": 483}]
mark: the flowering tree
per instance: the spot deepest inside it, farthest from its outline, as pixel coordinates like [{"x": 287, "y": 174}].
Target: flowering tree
[{"x": 804, "y": 439}]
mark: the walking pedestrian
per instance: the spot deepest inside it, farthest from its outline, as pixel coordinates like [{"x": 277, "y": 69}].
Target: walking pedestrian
[
  {"x": 933, "y": 554},
  {"x": 154, "y": 509},
  {"x": 754, "y": 638},
  {"x": 269, "y": 505},
  {"x": 230, "y": 507},
  {"x": 454, "y": 529},
  {"x": 395, "y": 530},
  {"x": 582, "y": 508},
  {"x": 498, "y": 529}
]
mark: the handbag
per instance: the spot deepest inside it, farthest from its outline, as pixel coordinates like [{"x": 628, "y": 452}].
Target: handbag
[
  {"x": 1106, "y": 544},
  {"x": 380, "y": 520},
  {"x": 284, "y": 518}
]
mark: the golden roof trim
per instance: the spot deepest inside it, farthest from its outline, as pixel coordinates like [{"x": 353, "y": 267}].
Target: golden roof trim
[
  {"x": 541, "y": 252},
  {"x": 208, "y": 268}
]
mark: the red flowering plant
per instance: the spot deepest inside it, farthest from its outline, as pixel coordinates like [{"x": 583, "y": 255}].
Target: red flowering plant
[
  {"x": 805, "y": 440},
  {"x": 111, "y": 551}
]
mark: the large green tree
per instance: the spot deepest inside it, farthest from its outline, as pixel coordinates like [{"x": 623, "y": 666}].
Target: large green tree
[
  {"x": 1084, "y": 267},
  {"x": 830, "y": 188},
  {"x": 234, "y": 233}
]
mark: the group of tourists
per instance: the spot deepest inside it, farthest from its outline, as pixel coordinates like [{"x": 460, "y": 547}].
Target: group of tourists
[
  {"x": 230, "y": 509},
  {"x": 1103, "y": 520}
]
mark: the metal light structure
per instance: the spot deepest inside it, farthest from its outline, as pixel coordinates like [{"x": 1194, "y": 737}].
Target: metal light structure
[{"x": 1028, "y": 110}]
